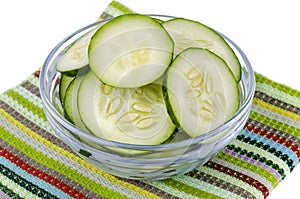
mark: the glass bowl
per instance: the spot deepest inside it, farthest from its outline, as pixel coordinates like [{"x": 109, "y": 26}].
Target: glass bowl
[{"x": 180, "y": 156}]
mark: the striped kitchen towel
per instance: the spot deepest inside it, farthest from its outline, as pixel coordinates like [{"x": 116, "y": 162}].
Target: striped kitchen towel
[{"x": 35, "y": 163}]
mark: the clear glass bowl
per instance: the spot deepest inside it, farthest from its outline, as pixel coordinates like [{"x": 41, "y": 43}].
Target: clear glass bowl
[{"x": 144, "y": 162}]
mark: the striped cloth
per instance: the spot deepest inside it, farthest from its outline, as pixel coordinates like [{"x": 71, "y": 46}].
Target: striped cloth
[{"x": 35, "y": 163}]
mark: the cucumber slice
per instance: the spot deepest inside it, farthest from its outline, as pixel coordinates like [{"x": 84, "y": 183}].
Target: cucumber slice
[
  {"x": 66, "y": 80},
  {"x": 201, "y": 91},
  {"x": 75, "y": 56},
  {"x": 159, "y": 20},
  {"x": 70, "y": 103},
  {"x": 64, "y": 83},
  {"x": 187, "y": 33},
  {"x": 129, "y": 51},
  {"x": 133, "y": 116}
]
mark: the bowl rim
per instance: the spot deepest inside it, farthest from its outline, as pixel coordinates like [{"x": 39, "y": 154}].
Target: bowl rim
[{"x": 48, "y": 106}]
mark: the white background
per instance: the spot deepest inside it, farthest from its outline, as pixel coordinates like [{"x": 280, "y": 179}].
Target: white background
[{"x": 267, "y": 31}]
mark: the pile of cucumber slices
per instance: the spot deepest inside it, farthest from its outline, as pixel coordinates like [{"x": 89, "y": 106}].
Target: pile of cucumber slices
[{"x": 139, "y": 80}]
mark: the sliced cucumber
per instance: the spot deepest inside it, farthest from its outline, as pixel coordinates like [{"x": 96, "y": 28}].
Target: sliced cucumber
[
  {"x": 187, "y": 33},
  {"x": 134, "y": 116},
  {"x": 70, "y": 103},
  {"x": 66, "y": 80},
  {"x": 159, "y": 20},
  {"x": 201, "y": 91},
  {"x": 131, "y": 50},
  {"x": 64, "y": 83},
  {"x": 75, "y": 56}
]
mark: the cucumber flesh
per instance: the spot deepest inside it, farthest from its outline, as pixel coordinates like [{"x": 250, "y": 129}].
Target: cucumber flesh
[
  {"x": 118, "y": 69},
  {"x": 187, "y": 33},
  {"x": 75, "y": 56},
  {"x": 159, "y": 20},
  {"x": 130, "y": 51},
  {"x": 201, "y": 91},
  {"x": 66, "y": 80},
  {"x": 64, "y": 83},
  {"x": 70, "y": 103},
  {"x": 132, "y": 116}
]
